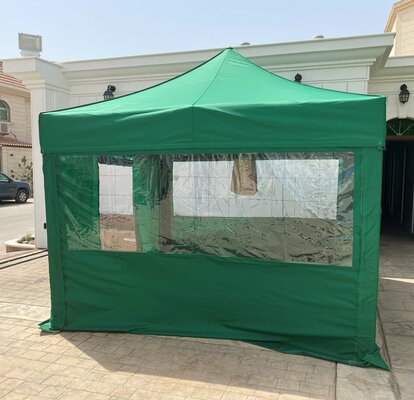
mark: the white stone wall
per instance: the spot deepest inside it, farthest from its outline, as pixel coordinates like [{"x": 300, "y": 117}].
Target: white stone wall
[
  {"x": 28, "y": 118},
  {"x": 390, "y": 88}
]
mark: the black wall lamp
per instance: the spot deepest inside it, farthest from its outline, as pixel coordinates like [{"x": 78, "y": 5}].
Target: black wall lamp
[
  {"x": 404, "y": 94},
  {"x": 298, "y": 78},
  {"x": 109, "y": 92}
]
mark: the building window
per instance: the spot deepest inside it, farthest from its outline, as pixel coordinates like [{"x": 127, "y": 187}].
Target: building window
[
  {"x": 4, "y": 111},
  {"x": 400, "y": 127}
]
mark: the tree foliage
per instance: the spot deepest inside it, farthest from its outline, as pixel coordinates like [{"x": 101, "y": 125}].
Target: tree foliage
[{"x": 25, "y": 172}]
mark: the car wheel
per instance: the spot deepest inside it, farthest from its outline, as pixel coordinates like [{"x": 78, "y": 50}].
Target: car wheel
[{"x": 21, "y": 196}]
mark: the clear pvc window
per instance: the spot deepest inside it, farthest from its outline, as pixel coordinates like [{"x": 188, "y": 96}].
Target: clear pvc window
[
  {"x": 276, "y": 188},
  {"x": 291, "y": 207},
  {"x": 116, "y": 215}
]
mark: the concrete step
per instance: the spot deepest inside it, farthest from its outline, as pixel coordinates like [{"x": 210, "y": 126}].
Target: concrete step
[{"x": 11, "y": 259}]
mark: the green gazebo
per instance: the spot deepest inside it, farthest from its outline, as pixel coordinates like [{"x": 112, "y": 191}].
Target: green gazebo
[{"x": 227, "y": 202}]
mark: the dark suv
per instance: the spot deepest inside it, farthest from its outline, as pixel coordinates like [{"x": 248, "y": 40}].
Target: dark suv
[{"x": 13, "y": 190}]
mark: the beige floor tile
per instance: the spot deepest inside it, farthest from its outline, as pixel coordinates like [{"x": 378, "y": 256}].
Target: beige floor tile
[
  {"x": 119, "y": 366},
  {"x": 100, "y": 387},
  {"x": 254, "y": 397},
  {"x": 55, "y": 368},
  {"x": 37, "y": 377},
  {"x": 75, "y": 372},
  {"x": 14, "y": 396},
  {"x": 68, "y": 360},
  {"x": 10, "y": 384},
  {"x": 77, "y": 384},
  {"x": 248, "y": 390},
  {"x": 234, "y": 396},
  {"x": 208, "y": 394},
  {"x": 124, "y": 391},
  {"x": 299, "y": 396},
  {"x": 18, "y": 373},
  {"x": 52, "y": 392},
  {"x": 142, "y": 394},
  {"x": 267, "y": 393},
  {"x": 406, "y": 384},
  {"x": 159, "y": 386},
  {"x": 58, "y": 380},
  {"x": 30, "y": 388},
  {"x": 300, "y": 367},
  {"x": 183, "y": 389},
  {"x": 314, "y": 389},
  {"x": 115, "y": 378},
  {"x": 98, "y": 396},
  {"x": 286, "y": 385},
  {"x": 72, "y": 394},
  {"x": 170, "y": 396}
]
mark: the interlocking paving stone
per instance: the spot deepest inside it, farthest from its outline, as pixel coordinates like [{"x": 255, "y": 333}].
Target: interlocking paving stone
[
  {"x": 100, "y": 365},
  {"x": 396, "y": 294},
  {"x": 24, "y": 311}
]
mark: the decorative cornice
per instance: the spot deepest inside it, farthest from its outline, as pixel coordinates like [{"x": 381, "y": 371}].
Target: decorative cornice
[
  {"x": 33, "y": 70},
  {"x": 399, "y": 67}
]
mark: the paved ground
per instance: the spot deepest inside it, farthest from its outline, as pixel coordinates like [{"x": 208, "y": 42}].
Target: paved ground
[
  {"x": 15, "y": 221},
  {"x": 396, "y": 306},
  {"x": 107, "y": 366}
]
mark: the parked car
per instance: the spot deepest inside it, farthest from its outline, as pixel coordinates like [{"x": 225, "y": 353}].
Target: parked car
[{"x": 11, "y": 189}]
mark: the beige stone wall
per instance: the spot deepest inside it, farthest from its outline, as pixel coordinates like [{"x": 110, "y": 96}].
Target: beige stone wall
[
  {"x": 19, "y": 114},
  {"x": 11, "y": 156},
  {"x": 402, "y": 23},
  {"x": 407, "y": 32}
]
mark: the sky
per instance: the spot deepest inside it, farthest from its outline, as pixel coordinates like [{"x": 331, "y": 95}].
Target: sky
[{"x": 85, "y": 29}]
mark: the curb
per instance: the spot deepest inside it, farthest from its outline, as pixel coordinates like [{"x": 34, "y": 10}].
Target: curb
[{"x": 6, "y": 262}]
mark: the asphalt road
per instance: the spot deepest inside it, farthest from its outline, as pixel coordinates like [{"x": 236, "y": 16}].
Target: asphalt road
[{"x": 15, "y": 221}]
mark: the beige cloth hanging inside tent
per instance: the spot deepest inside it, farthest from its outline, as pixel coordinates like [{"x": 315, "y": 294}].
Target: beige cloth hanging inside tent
[{"x": 244, "y": 177}]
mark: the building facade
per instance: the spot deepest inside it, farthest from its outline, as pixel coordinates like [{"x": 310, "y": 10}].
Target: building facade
[
  {"x": 359, "y": 64},
  {"x": 15, "y": 125}
]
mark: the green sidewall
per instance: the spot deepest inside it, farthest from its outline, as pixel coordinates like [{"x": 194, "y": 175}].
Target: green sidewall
[{"x": 323, "y": 311}]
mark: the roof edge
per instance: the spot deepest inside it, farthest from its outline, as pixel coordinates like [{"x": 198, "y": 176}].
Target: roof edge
[{"x": 219, "y": 49}]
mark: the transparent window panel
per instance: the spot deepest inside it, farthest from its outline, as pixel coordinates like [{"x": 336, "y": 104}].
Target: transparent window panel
[
  {"x": 291, "y": 188},
  {"x": 116, "y": 216},
  {"x": 299, "y": 210},
  {"x": 289, "y": 207}
]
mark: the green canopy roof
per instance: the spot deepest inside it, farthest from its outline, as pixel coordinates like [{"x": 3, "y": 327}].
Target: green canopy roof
[{"x": 226, "y": 103}]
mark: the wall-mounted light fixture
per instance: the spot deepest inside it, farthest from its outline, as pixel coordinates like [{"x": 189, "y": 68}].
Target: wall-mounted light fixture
[
  {"x": 404, "y": 94},
  {"x": 109, "y": 92},
  {"x": 298, "y": 78}
]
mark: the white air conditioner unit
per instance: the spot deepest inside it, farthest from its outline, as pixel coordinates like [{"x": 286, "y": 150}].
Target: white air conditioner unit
[{"x": 4, "y": 128}]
